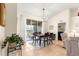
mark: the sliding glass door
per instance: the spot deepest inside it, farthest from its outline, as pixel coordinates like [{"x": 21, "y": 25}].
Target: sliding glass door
[{"x": 33, "y": 26}]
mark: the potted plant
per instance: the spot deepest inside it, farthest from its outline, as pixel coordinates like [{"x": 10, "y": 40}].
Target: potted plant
[{"x": 13, "y": 40}]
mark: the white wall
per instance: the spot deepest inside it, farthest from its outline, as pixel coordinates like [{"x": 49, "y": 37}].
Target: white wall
[
  {"x": 22, "y": 17},
  {"x": 75, "y": 24},
  {"x": 2, "y": 33},
  {"x": 74, "y": 21},
  {"x": 21, "y": 26},
  {"x": 11, "y": 18},
  {"x": 61, "y": 17},
  {"x": 2, "y": 37},
  {"x": 74, "y": 12}
]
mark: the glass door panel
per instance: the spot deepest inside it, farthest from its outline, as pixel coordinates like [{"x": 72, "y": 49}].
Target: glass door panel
[
  {"x": 39, "y": 26},
  {"x": 28, "y": 22},
  {"x": 34, "y": 24}
]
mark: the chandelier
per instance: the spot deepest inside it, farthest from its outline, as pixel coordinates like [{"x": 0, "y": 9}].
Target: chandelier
[{"x": 43, "y": 13}]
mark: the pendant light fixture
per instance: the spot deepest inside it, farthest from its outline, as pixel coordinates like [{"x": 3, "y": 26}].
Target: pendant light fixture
[{"x": 43, "y": 14}]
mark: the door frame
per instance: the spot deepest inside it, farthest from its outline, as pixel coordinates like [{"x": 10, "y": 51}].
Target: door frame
[{"x": 64, "y": 28}]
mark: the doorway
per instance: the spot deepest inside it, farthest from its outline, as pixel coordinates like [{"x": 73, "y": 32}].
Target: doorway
[{"x": 61, "y": 29}]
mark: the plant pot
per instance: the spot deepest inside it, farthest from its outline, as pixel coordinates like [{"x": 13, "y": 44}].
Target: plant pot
[{"x": 11, "y": 45}]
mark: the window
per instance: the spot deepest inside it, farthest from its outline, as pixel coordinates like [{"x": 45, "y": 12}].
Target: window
[
  {"x": 39, "y": 23},
  {"x": 34, "y": 22},
  {"x": 39, "y": 26},
  {"x": 33, "y": 26},
  {"x": 28, "y": 22}
]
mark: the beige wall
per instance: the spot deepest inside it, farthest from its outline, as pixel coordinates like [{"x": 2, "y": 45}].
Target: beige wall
[
  {"x": 11, "y": 18},
  {"x": 11, "y": 25}
]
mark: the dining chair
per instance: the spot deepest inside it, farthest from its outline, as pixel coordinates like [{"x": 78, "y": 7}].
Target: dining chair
[
  {"x": 35, "y": 40},
  {"x": 51, "y": 37},
  {"x": 64, "y": 39}
]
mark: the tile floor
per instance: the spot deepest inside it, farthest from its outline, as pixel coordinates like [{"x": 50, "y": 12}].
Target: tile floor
[{"x": 55, "y": 49}]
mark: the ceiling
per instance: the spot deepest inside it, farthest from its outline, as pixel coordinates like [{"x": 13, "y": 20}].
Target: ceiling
[{"x": 50, "y": 8}]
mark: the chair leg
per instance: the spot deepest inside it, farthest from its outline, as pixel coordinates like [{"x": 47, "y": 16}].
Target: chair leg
[
  {"x": 47, "y": 42},
  {"x": 44, "y": 43},
  {"x": 51, "y": 41},
  {"x": 35, "y": 42},
  {"x": 40, "y": 43}
]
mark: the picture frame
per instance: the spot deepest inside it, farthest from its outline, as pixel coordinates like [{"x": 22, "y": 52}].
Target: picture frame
[
  {"x": 2, "y": 14},
  {"x": 51, "y": 27}
]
